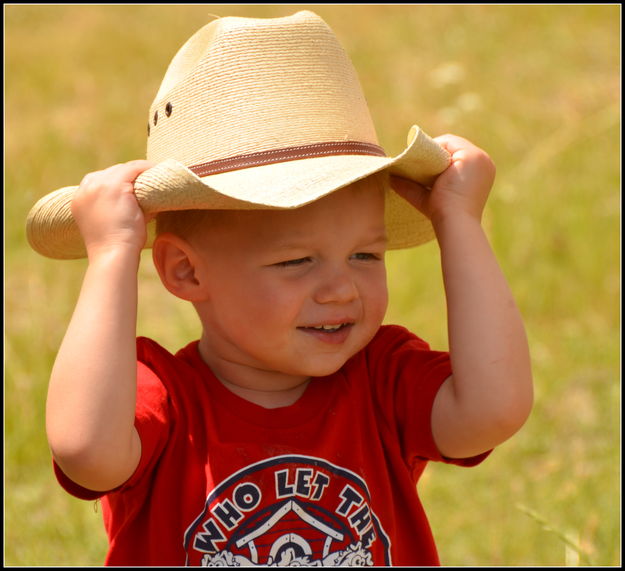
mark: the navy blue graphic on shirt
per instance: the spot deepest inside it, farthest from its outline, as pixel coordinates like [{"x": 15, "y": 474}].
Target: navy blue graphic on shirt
[{"x": 285, "y": 511}]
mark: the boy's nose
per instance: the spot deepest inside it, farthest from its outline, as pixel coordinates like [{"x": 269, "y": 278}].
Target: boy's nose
[{"x": 337, "y": 286}]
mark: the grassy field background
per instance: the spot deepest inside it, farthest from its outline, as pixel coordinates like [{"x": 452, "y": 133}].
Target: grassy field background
[{"x": 537, "y": 86}]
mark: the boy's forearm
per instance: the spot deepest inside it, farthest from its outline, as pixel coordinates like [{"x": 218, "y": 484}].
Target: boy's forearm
[
  {"x": 91, "y": 398},
  {"x": 491, "y": 380}
]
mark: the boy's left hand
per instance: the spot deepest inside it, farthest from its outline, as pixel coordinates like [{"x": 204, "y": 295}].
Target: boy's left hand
[
  {"x": 462, "y": 188},
  {"x": 489, "y": 395}
]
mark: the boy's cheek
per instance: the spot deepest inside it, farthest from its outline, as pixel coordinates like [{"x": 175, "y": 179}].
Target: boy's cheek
[
  {"x": 382, "y": 292},
  {"x": 377, "y": 306}
]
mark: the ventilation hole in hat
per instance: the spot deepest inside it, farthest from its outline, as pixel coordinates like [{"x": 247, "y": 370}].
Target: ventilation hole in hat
[
  {"x": 168, "y": 109},
  {"x": 155, "y": 118},
  {"x": 148, "y": 128}
]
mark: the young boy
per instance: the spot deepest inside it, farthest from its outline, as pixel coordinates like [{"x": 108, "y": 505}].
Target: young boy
[{"x": 295, "y": 429}]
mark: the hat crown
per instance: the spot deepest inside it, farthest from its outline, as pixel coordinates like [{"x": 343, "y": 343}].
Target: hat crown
[
  {"x": 255, "y": 114},
  {"x": 247, "y": 85}
]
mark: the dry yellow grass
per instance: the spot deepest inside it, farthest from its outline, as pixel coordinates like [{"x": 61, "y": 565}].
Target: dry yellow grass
[{"x": 537, "y": 86}]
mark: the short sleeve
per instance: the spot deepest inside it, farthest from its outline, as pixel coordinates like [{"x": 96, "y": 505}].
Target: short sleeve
[
  {"x": 152, "y": 424},
  {"x": 408, "y": 375},
  {"x": 152, "y": 420}
]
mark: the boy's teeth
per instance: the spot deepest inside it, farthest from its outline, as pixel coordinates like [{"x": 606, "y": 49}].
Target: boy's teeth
[{"x": 328, "y": 327}]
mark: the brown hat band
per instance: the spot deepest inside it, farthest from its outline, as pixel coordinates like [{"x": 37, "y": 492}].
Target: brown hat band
[{"x": 287, "y": 154}]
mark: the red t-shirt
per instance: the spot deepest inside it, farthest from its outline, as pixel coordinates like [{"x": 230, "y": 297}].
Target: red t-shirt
[{"x": 331, "y": 478}]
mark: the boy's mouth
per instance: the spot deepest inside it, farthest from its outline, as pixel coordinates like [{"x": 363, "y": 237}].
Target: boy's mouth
[
  {"x": 329, "y": 328},
  {"x": 329, "y": 332}
]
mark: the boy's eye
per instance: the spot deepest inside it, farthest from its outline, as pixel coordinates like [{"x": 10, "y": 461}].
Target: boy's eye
[
  {"x": 292, "y": 263},
  {"x": 358, "y": 256},
  {"x": 366, "y": 256}
]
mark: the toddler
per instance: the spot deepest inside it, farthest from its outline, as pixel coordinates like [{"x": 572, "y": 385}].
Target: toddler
[{"x": 295, "y": 429}]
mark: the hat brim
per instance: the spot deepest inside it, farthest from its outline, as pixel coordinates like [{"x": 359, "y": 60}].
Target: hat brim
[{"x": 170, "y": 185}]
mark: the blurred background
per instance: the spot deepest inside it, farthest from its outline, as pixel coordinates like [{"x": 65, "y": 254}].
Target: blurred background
[{"x": 537, "y": 86}]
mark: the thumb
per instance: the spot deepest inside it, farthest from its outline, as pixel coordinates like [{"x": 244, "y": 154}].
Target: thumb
[{"x": 413, "y": 192}]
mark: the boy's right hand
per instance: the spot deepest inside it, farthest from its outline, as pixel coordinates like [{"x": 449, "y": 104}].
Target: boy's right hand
[
  {"x": 106, "y": 209},
  {"x": 90, "y": 409}
]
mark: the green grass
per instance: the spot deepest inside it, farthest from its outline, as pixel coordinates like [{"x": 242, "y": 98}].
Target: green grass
[{"x": 537, "y": 86}]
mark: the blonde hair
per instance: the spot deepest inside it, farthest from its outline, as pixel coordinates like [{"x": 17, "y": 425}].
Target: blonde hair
[{"x": 183, "y": 223}]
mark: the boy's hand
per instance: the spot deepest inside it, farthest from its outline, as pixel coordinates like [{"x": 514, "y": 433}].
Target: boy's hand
[
  {"x": 90, "y": 409},
  {"x": 489, "y": 395},
  {"x": 462, "y": 188},
  {"x": 106, "y": 209}
]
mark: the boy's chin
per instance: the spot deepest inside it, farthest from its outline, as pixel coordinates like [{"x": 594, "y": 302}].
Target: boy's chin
[{"x": 323, "y": 369}]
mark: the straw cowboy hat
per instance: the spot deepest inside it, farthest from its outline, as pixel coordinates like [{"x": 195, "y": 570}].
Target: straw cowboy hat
[{"x": 256, "y": 114}]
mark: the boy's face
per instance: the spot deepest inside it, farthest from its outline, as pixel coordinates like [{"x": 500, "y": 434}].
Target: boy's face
[{"x": 293, "y": 294}]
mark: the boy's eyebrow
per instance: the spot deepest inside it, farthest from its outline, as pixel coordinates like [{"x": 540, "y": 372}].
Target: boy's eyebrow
[
  {"x": 379, "y": 237},
  {"x": 293, "y": 243},
  {"x": 375, "y": 235}
]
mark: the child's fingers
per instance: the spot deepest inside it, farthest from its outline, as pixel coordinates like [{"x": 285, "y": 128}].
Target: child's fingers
[
  {"x": 454, "y": 143},
  {"x": 123, "y": 172},
  {"x": 115, "y": 180},
  {"x": 413, "y": 192},
  {"x": 136, "y": 167},
  {"x": 126, "y": 172},
  {"x": 109, "y": 193},
  {"x": 466, "y": 155},
  {"x": 460, "y": 148}
]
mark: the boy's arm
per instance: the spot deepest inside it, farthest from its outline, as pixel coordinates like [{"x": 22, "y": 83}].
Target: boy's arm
[
  {"x": 91, "y": 396},
  {"x": 489, "y": 395}
]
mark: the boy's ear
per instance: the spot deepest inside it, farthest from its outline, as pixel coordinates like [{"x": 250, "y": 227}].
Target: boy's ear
[{"x": 176, "y": 262}]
